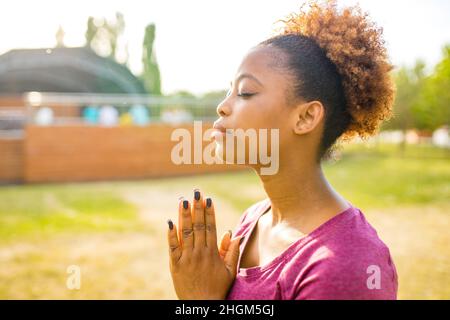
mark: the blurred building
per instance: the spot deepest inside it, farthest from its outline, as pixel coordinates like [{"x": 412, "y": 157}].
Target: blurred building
[
  {"x": 67, "y": 114},
  {"x": 57, "y": 70},
  {"x": 64, "y": 70}
]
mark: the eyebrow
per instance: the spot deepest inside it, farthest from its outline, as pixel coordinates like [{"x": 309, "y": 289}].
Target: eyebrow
[{"x": 247, "y": 75}]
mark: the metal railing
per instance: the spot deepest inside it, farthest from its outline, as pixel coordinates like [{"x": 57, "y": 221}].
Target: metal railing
[{"x": 49, "y": 108}]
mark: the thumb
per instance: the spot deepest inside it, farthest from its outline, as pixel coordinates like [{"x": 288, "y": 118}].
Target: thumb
[
  {"x": 232, "y": 255},
  {"x": 225, "y": 244}
]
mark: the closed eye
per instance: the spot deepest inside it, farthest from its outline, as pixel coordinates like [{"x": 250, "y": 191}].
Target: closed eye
[{"x": 245, "y": 95}]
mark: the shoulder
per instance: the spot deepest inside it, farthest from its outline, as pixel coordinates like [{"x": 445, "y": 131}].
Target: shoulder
[{"x": 351, "y": 262}]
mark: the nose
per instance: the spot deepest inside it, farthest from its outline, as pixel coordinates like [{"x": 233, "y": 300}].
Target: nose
[{"x": 223, "y": 108}]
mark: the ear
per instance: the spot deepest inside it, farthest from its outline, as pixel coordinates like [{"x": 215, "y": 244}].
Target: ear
[{"x": 307, "y": 116}]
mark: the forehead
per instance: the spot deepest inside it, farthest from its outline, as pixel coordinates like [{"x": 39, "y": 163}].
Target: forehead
[{"x": 263, "y": 62}]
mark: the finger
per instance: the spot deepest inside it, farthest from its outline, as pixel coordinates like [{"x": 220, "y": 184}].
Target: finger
[
  {"x": 210, "y": 223},
  {"x": 198, "y": 214},
  {"x": 225, "y": 243},
  {"x": 185, "y": 223},
  {"x": 174, "y": 245},
  {"x": 232, "y": 255}
]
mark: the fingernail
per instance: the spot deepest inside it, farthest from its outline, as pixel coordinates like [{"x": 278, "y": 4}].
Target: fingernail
[
  {"x": 185, "y": 204},
  {"x": 242, "y": 240},
  {"x": 197, "y": 195},
  {"x": 170, "y": 223},
  {"x": 208, "y": 202},
  {"x": 231, "y": 233}
]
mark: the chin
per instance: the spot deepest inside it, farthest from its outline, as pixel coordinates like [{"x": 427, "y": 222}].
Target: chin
[{"x": 221, "y": 151}]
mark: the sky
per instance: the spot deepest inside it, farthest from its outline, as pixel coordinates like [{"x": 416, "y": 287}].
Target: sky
[{"x": 200, "y": 43}]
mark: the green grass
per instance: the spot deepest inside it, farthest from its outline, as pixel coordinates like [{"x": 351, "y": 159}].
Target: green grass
[
  {"x": 45, "y": 210},
  {"x": 383, "y": 177}
]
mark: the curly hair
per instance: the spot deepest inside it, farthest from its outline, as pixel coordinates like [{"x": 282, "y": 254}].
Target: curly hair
[{"x": 338, "y": 57}]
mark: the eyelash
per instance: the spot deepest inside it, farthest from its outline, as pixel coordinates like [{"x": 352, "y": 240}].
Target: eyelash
[
  {"x": 245, "y": 95},
  {"x": 242, "y": 95}
]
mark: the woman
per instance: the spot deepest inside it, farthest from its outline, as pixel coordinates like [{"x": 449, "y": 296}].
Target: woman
[{"x": 324, "y": 77}]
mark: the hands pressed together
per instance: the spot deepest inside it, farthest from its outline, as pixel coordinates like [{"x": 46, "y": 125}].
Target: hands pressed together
[{"x": 200, "y": 269}]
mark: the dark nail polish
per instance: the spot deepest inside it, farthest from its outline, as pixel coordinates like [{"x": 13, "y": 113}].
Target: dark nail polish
[
  {"x": 185, "y": 204},
  {"x": 197, "y": 195},
  {"x": 231, "y": 233},
  {"x": 208, "y": 202},
  {"x": 170, "y": 223},
  {"x": 242, "y": 240}
]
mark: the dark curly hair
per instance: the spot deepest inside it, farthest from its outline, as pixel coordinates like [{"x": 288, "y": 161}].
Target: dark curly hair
[{"x": 338, "y": 57}]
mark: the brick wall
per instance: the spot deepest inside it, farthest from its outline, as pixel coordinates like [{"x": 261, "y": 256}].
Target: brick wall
[
  {"x": 81, "y": 153},
  {"x": 11, "y": 160}
]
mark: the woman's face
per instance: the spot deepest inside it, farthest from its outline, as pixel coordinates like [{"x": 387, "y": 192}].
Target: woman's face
[{"x": 257, "y": 99}]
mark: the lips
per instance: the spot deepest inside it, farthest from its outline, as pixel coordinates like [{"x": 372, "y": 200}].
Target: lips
[
  {"x": 219, "y": 131},
  {"x": 219, "y": 127}
]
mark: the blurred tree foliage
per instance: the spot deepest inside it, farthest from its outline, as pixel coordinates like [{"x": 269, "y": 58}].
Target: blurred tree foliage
[
  {"x": 422, "y": 100},
  {"x": 102, "y": 35},
  {"x": 150, "y": 75},
  {"x": 433, "y": 107},
  {"x": 219, "y": 95},
  {"x": 409, "y": 82}
]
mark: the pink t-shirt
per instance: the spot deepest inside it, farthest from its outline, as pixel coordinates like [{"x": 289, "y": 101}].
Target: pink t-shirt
[{"x": 342, "y": 259}]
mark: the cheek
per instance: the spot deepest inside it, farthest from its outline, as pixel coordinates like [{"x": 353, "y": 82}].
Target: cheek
[{"x": 258, "y": 114}]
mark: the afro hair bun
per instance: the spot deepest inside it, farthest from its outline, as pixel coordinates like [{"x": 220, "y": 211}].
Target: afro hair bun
[{"x": 355, "y": 45}]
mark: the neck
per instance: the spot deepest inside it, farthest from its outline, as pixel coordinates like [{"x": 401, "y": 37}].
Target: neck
[{"x": 300, "y": 195}]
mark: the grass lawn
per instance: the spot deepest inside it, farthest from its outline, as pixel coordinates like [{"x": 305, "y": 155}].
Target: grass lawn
[{"x": 115, "y": 231}]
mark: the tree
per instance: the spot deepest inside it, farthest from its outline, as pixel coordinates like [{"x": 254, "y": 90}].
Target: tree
[
  {"x": 115, "y": 30},
  {"x": 409, "y": 83},
  {"x": 150, "y": 74},
  {"x": 433, "y": 107},
  {"x": 422, "y": 101},
  {"x": 102, "y": 36},
  {"x": 91, "y": 31}
]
